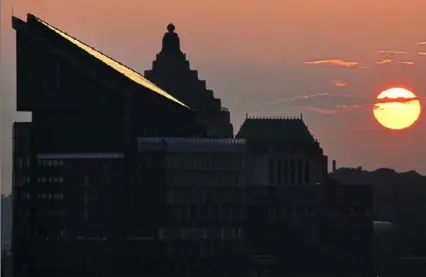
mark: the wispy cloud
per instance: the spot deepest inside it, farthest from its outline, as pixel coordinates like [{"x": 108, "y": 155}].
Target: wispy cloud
[
  {"x": 422, "y": 53},
  {"x": 385, "y": 61},
  {"x": 422, "y": 43},
  {"x": 339, "y": 83},
  {"x": 406, "y": 62},
  {"x": 365, "y": 102},
  {"x": 337, "y": 62},
  {"x": 398, "y": 100},
  {"x": 303, "y": 98},
  {"x": 337, "y": 109},
  {"x": 393, "y": 52}
]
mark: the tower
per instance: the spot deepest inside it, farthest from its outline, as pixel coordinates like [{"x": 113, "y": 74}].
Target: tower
[{"x": 171, "y": 71}]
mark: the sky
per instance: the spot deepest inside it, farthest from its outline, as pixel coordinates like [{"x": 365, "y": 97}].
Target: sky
[{"x": 327, "y": 60}]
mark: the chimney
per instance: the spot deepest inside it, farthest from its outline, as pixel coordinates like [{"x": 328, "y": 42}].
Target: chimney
[{"x": 334, "y": 166}]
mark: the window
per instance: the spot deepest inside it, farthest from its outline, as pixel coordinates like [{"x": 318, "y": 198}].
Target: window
[
  {"x": 307, "y": 172},
  {"x": 279, "y": 173},
  {"x": 271, "y": 172},
  {"x": 292, "y": 172},
  {"x": 300, "y": 172}
]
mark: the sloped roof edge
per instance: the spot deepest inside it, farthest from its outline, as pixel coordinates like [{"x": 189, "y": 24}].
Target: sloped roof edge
[{"x": 117, "y": 66}]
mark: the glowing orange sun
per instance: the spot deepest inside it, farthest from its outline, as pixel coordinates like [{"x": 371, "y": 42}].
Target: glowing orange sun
[{"x": 397, "y": 108}]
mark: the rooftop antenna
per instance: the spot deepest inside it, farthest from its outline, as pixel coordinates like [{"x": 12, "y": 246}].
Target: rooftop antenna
[{"x": 246, "y": 115}]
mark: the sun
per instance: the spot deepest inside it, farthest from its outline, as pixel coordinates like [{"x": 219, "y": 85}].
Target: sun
[{"x": 395, "y": 110}]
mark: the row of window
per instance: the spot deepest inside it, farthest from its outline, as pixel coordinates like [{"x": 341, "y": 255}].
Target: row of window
[
  {"x": 206, "y": 162},
  {"x": 310, "y": 210},
  {"x": 205, "y": 196},
  {"x": 200, "y": 233},
  {"x": 289, "y": 172},
  {"x": 36, "y": 232},
  {"x": 26, "y": 162},
  {"x": 49, "y": 196},
  {"x": 50, "y": 163},
  {"x": 209, "y": 178},
  {"x": 212, "y": 213},
  {"x": 22, "y": 180},
  {"x": 58, "y": 180}
]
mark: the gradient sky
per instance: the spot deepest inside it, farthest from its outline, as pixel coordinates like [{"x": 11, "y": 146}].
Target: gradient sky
[{"x": 254, "y": 56}]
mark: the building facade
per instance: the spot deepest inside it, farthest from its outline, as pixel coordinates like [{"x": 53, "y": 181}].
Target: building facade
[
  {"x": 299, "y": 220},
  {"x": 201, "y": 225}
]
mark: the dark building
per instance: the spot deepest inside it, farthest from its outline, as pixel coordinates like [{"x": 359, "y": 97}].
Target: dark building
[
  {"x": 299, "y": 220},
  {"x": 116, "y": 176},
  {"x": 75, "y": 163},
  {"x": 201, "y": 228},
  {"x": 171, "y": 71}
]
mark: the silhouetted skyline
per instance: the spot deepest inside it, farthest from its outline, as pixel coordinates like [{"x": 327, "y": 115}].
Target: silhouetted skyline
[{"x": 269, "y": 53}]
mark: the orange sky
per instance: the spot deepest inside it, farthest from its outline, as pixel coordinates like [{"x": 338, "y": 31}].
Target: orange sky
[{"x": 266, "y": 44}]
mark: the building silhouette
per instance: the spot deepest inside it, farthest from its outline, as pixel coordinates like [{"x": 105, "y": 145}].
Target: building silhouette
[
  {"x": 171, "y": 71},
  {"x": 128, "y": 175}
]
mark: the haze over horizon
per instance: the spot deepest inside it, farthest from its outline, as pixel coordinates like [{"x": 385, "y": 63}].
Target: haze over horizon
[{"x": 325, "y": 59}]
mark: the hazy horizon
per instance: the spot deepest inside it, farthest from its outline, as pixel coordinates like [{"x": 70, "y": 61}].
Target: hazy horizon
[{"x": 327, "y": 60}]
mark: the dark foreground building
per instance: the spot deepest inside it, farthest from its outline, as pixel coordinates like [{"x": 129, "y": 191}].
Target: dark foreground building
[
  {"x": 75, "y": 164},
  {"x": 116, "y": 176}
]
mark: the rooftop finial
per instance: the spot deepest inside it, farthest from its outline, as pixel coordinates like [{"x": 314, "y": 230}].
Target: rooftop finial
[
  {"x": 171, "y": 42},
  {"x": 171, "y": 27}
]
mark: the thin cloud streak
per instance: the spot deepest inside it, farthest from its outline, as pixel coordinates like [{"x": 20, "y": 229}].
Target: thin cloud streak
[
  {"x": 369, "y": 101},
  {"x": 398, "y": 99},
  {"x": 393, "y": 52},
  {"x": 305, "y": 97},
  {"x": 337, "y": 109},
  {"x": 337, "y": 62},
  {"x": 422, "y": 43},
  {"x": 406, "y": 62},
  {"x": 422, "y": 53},
  {"x": 385, "y": 61},
  {"x": 339, "y": 83}
]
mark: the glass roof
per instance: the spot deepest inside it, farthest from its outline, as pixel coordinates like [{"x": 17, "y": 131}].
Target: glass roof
[{"x": 129, "y": 73}]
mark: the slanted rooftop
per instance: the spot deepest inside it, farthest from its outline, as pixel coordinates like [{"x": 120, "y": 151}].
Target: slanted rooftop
[
  {"x": 126, "y": 71},
  {"x": 275, "y": 129}
]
